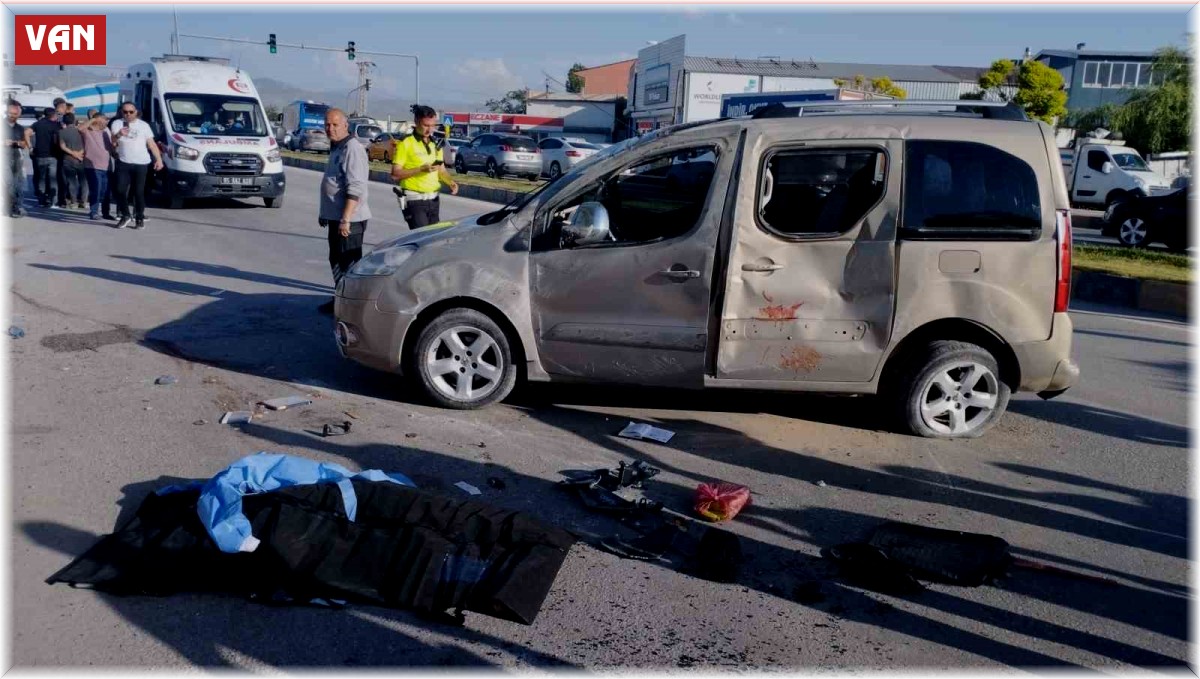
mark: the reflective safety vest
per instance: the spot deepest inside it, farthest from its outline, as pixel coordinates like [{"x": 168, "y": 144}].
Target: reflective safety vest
[{"x": 413, "y": 152}]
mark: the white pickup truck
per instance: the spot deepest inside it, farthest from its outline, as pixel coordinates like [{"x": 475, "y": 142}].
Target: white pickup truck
[{"x": 1101, "y": 172}]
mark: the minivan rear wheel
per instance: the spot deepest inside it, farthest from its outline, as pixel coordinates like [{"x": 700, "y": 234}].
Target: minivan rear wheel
[
  {"x": 463, "y": 360},
  {"x": 953, "y": 390}
]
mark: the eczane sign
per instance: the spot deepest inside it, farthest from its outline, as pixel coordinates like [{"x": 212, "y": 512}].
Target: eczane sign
[{"x": 59, "y": 40}]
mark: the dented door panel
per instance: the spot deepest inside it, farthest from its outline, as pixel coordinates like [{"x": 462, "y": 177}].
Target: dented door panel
[{"x": 815, "y": 310}]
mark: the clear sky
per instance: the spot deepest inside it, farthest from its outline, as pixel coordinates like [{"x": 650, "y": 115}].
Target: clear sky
[{"x": 476, "y": 53}]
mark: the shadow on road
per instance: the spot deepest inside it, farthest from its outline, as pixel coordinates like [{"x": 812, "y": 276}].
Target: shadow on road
[
  {"x": 220, "y": 271},
  {"x": 1103, "y": 422}
]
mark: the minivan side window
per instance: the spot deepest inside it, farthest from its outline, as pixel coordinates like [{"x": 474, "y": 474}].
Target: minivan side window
[
  {"x": 1096, "y": 160},
  {"x": 807, "y": 192},
  {"x": 968, "y": 191},
  {"x": 657, "y": 199}
]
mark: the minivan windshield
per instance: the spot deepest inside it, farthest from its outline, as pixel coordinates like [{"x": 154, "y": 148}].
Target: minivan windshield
[
  {"x": 1130, "y": 161},
  {"x": 216, "y": 114}
]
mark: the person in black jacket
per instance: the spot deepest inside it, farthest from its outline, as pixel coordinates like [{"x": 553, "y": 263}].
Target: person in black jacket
[{"x": 45, "y": 160}]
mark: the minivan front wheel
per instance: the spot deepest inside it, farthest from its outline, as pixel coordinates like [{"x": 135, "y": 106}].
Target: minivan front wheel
[
  {"x": 955, "y": 391},
  {"x": 463, "y": 360}
]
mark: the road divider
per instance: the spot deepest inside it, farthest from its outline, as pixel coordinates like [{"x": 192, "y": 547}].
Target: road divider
[{"x": 484, "y": 193}]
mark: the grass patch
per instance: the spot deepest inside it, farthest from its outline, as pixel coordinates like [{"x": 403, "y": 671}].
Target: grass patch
[
  {"x": 472, "y": 179},
  {"x": 1135, "y": 263}
]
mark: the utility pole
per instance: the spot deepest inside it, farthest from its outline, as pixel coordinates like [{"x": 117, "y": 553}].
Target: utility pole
[
  {"x": 175, "y": 33},
  {"x": 364, "y": 68}
]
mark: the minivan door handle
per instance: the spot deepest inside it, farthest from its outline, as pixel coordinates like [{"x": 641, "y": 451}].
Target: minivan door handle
[
  {"x": 761, "y": 267},
  {"x": 680, "y": 272}
]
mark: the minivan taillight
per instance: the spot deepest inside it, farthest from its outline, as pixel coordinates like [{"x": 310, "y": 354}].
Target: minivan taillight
[{"x": 1062, "y": 236}]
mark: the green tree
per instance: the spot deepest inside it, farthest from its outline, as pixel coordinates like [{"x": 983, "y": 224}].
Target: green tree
[
  {"x": 574, "y": 80},
  {"x": 882, "y": 85},
  {"x": 513, "y": 101},
  {"x": 273, "y": 113},
  {"x": 1158, "y": 118},
  {"x": 1040, "y": 92},
  {"x": 1039, "y": 88}
]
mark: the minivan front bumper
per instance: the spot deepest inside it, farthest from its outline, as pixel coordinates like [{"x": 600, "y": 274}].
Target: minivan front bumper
[
  {"x": 363, "y": 333},
  {"x": 200, "y": 185},
  {"x": 1047, "y": 368}
]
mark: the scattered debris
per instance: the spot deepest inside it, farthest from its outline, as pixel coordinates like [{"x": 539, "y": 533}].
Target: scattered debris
[
  {"x": 481, "y": 444},
  {"x": 198, "y": 422},
  {"x": 468, "y": 488},
  {"x": 286, "y": 402},
  {"x": 350, "y": 414},
  {"x": 898, "y": 553},
  {"x": 624, "y": 476},
  {"x": 497, "y": 483},
  {"x": 410, "y": 435},
  {"x": 721, "y": 501},
  {"x": 640, "y": 431},
  {"x": 236, "y": 417},
  {"x": 336, "y": 429},
  {"x": 708, "y": 552},
  {"x": 165, "y": 380},
  {"x": 16, "y": 331},
  {"x": 822, "y": 484},
  {"x": 148, "y": 408}
]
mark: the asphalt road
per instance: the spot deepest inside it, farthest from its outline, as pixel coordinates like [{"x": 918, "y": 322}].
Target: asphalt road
[{"x": 223, "y": 297}]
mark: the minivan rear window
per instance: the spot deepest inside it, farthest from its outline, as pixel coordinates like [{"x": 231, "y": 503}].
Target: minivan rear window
[{"x": 957, "y": 190}]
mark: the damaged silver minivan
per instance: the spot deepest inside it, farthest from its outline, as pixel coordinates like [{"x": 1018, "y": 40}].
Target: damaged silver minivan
[{"x": 921, "y": 252}]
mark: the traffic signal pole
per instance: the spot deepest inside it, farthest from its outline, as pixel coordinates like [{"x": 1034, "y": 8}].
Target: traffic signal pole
[{"x": 416, "y": 59}]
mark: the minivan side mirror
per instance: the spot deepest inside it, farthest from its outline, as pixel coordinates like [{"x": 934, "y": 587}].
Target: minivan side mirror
[
  {"x": 588, "y": 226},
  {"x": 1107, "y": 167}
]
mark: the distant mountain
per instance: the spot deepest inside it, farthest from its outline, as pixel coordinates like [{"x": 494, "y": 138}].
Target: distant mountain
[{"x": 273, "y": 92}]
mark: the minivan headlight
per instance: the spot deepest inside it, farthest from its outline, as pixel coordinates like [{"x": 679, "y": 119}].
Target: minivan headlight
[
  {"x": 186, "y": 153},
  {"x": 382, "y": 261},
  {"x": 273, "y": 156}
]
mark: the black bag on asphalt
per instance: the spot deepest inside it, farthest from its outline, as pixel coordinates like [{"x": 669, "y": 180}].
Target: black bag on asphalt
[{"x": 406, "y": 548}]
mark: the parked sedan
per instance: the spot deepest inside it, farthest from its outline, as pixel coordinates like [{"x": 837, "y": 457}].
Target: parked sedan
[
  {"x": 310, "y": 140},
  {"x": 383, "y": 147},
  {"x": 500, "y": 154},
  {"x": 560, "y": 155},
  {"x": 1143, "y": 220}
]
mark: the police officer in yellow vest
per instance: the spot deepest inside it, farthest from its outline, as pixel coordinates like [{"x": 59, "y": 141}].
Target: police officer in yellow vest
[{"x": 419, "y": 166}]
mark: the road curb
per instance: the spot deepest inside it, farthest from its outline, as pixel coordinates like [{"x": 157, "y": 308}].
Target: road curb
[
  {"x": 484, "y": 193},
  {"x": 1159, "y": 296}
]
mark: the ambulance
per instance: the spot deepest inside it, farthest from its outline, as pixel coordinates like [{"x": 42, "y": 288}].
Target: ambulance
[{"x": 211, "y": 128}]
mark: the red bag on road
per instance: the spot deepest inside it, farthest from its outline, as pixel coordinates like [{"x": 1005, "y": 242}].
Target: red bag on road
[{"x": 721, "y": 501}]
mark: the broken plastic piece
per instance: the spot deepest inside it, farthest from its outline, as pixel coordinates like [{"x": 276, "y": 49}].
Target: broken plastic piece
[
  {"x": 286, "y": 402},
  {"x": 336, "y": 429},
  {"x": 640, "y": 431},
  {"x": 16, "y": 331},
  {"x": 165, "y": 380},
  {"x": 236, "y": 417},
  {"x": 468, "y": 488},
  {"x": 624, "y": 476}
]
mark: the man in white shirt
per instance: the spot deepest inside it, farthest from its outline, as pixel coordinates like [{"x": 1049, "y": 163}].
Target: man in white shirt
[{"x": 135, "y": 145}]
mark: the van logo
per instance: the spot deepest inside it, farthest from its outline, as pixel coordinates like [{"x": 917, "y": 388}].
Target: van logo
[
  {"x": 60, "y": 40},
  {"x": 238, "y": 85}
]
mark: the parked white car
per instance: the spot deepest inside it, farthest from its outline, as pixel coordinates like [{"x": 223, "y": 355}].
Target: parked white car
[{"x": 560, "y": 154}]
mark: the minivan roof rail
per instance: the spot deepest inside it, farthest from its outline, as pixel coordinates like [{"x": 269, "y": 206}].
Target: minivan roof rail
[
  {"x": 996, "y": 110},
  {"x": 166, "y": 58}
]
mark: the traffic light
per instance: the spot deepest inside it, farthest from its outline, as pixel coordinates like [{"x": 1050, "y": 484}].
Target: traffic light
[
  {"x": 271, "y": 43},
  {"x": 367, "y": 86},
  {"x": 350, "y": 50}
]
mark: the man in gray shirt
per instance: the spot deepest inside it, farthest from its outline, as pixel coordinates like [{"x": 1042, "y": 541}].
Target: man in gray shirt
[
  {"x": 70, "y": 141},
  {"x": 344, "y": 211}
]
